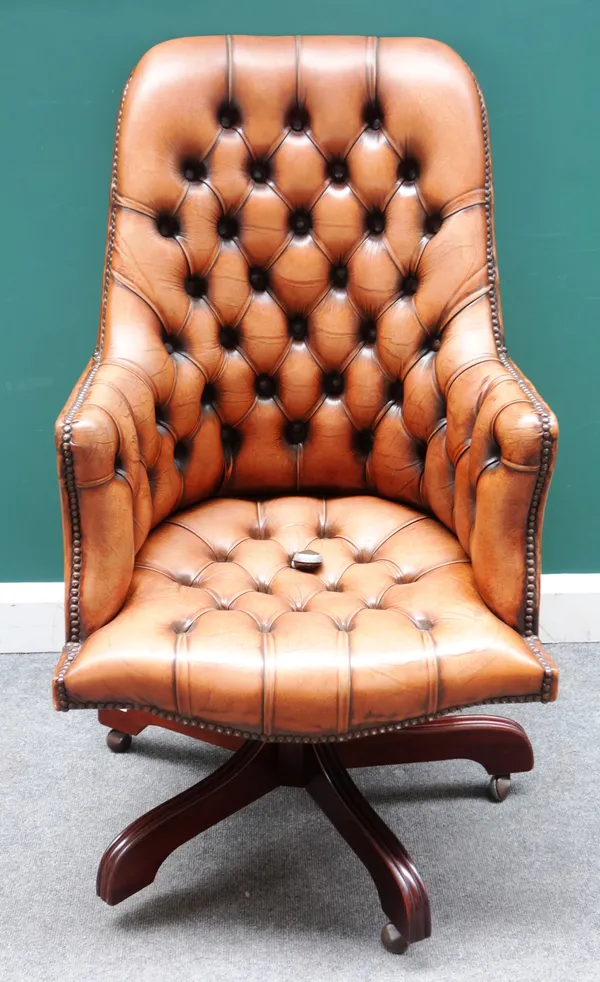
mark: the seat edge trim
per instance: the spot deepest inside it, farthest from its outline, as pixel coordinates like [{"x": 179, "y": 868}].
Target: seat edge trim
[{"x": 300, "y": 737}]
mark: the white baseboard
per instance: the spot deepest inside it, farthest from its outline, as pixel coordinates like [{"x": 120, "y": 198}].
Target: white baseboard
[
  {"x": 31, "y": 614},
  {"x": 570, "y": 608},
  {"x": 31, "y": 617}
]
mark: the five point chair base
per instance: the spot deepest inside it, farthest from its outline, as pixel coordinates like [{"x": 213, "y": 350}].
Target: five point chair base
[{"x": 132, "y": 861}]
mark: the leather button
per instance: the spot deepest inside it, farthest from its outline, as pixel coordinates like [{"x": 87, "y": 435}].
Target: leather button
[
  {"x": 373, "y": 115},
  {"x": 376, "y": 222},
  {"x": 333, "y": 384},
  {"x": 408, "y": 169},
  {"x": 229, "y": 115},
  {"x": 409, "y": 285},
  {"x": 193, "y": 170},
  {"x": 231, "y": 438},
  {"x": 339, "y": 276},
  {"x": 433, "y": 223},
  {"x": 494, "y": 453},
  {"x": 422, "y": 623},
  {"x": 307, "y": 561},
  {"x": 296, "y": 432},
  {"x": 363, "y": 441},
  {"x": 337, "y": 170},
  {"x": 195, "y": 286},
  {"x": 167, "y": 225},
  {"x": 436, "y": 344},
  {"x": 161, "y": 413},
  {"x": 228, "y": 337},
  {"x": 300, "y": 222},
  {"x": 227, "y": 226},
  {"x": 259, "y": 279},
  {"x": 265, "y": 386},
  {"x": 298, "y": 118},
  {"x": 181, "y": 454},
  {"x": 297, "y": 327},
  {"x": 260, "y": 171},
  {"x": 184, "y": 626},
  {"x": 368, "y": 332},
  {"x": 172, "y": 342},
  {"x": 396, "y": 391},
  {"x": 209, "y": 395}
]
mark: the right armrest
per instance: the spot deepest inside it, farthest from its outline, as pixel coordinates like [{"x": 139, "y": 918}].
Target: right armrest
[{"x": 104, "y": 489}]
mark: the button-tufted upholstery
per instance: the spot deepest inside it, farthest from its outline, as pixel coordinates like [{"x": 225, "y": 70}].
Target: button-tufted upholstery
[
  {"x": 301, "y": 342},
  {"x": 388, "y": 629}
]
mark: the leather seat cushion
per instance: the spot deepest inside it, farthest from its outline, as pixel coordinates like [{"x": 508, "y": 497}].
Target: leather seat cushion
[{"x": 219, "y": 628}]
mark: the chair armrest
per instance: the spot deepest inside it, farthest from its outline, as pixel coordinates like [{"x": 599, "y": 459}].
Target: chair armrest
[
  {"x": 503, "y": 472},
  {"x": 104, "y": 490}
]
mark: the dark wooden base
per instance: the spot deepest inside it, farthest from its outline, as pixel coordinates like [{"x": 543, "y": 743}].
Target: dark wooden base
[{"x": 132, "y": 861}]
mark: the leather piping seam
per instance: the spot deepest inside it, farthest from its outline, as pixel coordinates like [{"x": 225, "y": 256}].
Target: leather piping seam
[
  {"x": 68, "y": 468},
  {"x": 531, "y": 591},
  {"x": 299, "y": 737}
]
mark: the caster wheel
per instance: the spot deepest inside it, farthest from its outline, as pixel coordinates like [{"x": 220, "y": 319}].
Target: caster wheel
[
  {"x": 118, "y": 742},
  {"x": 393, "y": 940},
  {"x": 499, "y": 787}
]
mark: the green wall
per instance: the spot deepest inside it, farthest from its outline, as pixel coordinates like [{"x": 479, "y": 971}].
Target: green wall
[{"x": 62, "y": 66}]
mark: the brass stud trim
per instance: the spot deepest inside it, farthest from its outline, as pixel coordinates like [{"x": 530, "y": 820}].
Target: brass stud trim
[
  {"x": 68, "y": 468},
  {"x": 300, "y": 737},
  {"x": 531, "y": 599},
  {"x": 71, "y": 649}
]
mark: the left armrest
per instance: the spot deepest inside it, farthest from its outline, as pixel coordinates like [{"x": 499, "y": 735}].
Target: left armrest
[{"x": 501, "y": 489}]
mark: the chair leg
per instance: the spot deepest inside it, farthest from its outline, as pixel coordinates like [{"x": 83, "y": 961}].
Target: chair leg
[
  {"x": 133, "y": 859},
  {"x": 124, "y": 725},
  {"x": 401, "y": 891},
  {"x": 127, "y": 723},
  {"x": 499, "y": 744}
]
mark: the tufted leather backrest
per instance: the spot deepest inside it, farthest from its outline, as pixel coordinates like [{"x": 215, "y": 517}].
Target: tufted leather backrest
[{"x": 299, "y": 261}]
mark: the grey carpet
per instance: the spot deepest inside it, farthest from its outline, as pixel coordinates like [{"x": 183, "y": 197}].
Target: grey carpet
[{"x": 273, "y": 894}]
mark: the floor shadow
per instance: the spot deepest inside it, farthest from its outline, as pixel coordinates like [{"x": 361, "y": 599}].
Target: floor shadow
[
  {"x": 192, "y": 753},
  {"x": 433, "y": 792},
  {"x": 279, "y": 894}
]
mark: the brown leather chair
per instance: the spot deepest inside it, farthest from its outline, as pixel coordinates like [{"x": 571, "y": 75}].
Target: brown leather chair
[{"x": 302, "y": 482}]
